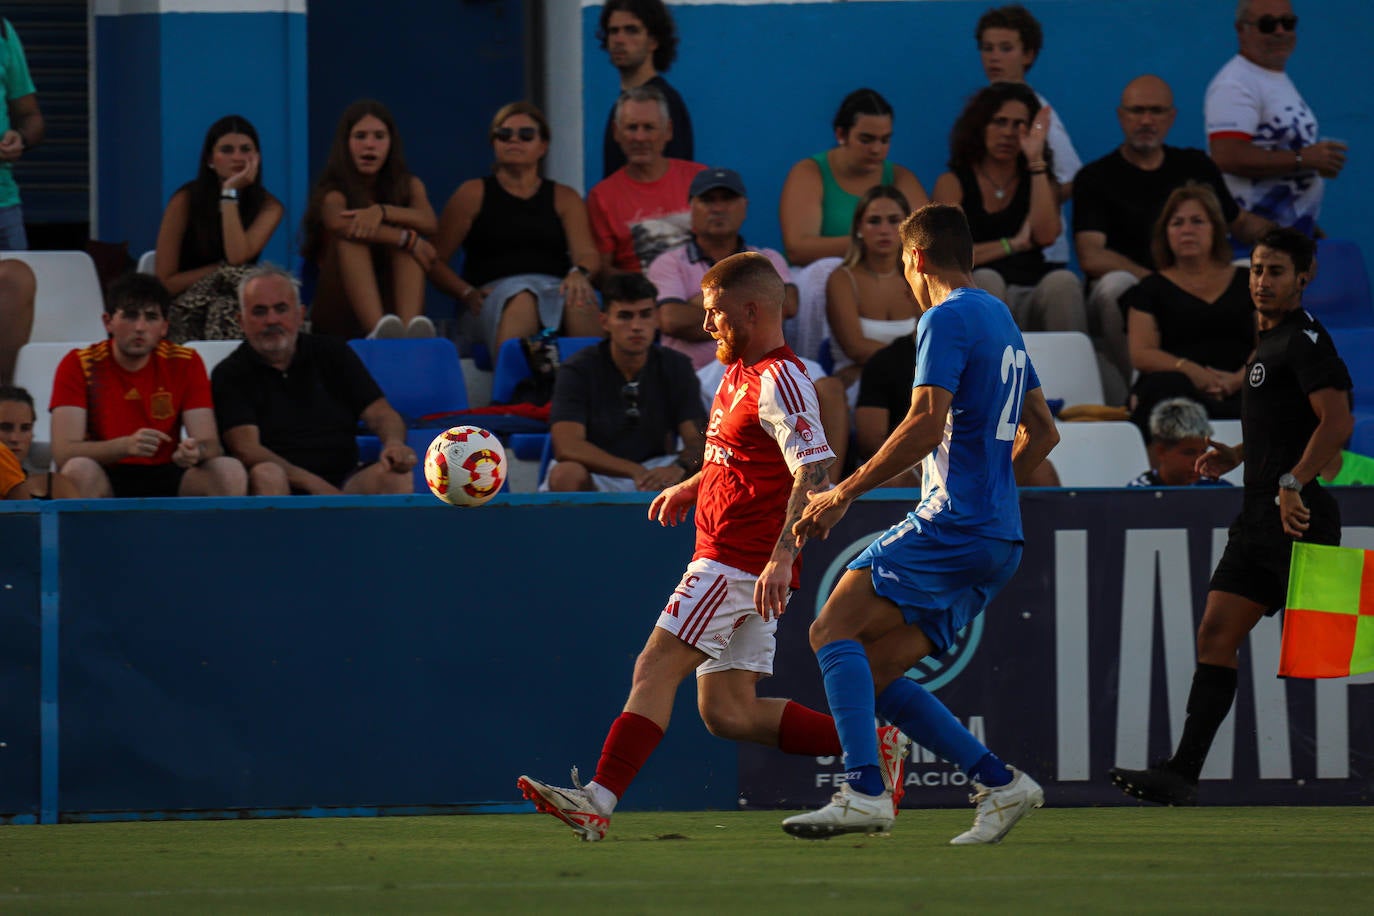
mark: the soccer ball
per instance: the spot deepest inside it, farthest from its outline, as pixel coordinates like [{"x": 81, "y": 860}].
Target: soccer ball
[{"x": 465, "y": 466}]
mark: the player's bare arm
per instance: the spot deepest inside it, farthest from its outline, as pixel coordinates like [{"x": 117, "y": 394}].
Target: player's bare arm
[
  {"x": 1037, "y": 435},
  {"x": 773, "y": 584},
  {"x": 917, "y": 435},
  {"x": 1220, "y": 458},
  {"x": 1334, "y": 426},
  {"x": 670, "y": 507}
]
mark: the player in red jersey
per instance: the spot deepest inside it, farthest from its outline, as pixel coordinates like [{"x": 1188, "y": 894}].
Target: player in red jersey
[{"x": 765, "y": 449}]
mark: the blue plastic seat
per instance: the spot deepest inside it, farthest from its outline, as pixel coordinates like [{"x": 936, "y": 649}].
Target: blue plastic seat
[
  {"x": 1339, "y": 294},
  {"x": 512, "y": 367},
  {"x": 419, "y": 377}
]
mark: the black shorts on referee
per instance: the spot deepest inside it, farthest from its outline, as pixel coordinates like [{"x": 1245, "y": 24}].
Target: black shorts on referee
[{"x": 1255, "y": 562}]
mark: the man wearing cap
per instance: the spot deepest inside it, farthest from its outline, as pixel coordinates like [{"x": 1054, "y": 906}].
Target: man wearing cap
[{"x": 719, "y": 205}]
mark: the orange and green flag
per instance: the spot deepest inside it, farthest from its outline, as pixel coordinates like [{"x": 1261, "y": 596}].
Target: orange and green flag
[{"x": 1328, "y": 625}]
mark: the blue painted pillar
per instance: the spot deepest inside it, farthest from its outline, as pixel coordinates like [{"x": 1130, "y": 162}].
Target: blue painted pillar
[{"x": 164, "y": 71}]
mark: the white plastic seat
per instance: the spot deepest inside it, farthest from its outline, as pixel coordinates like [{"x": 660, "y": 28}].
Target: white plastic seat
[
  {"x": 33, "y": 371},
  {"x": 1106, "y": 454},
  {"x": 1067, "y": 366},
  {"x": 146, "y": 262},
  {"x": 212, "y": 351},
  {"x": 69, "y": 303},
  {"x": 1227, "y": 432}
]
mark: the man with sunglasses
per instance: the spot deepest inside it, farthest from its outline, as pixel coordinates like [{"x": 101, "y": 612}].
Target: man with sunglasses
[
  {"x": 619, "y": 408},
  {"x": 1261, "y": 133}
]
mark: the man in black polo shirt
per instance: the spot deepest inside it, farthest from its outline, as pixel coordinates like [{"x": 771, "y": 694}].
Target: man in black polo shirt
[
  {"x": 289, "y": 403},
  {"x": 620, "y": 407},
  {"x": 1295, "y": 411},
  {"x": 1116, "y": 200}
]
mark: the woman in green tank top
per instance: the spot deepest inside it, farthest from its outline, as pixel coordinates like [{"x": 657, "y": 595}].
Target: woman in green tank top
[{"x": 821, "y": 191}]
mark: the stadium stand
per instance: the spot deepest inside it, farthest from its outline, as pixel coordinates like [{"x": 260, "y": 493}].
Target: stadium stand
[
  {"x": 1067, "y": 366},
  {"x": 69, "y": 301},
  {"x": 1105, "y": 454}
]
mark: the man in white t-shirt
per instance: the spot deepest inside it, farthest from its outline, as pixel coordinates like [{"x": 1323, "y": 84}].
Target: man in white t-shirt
[{"x": 1260, "y": 132}]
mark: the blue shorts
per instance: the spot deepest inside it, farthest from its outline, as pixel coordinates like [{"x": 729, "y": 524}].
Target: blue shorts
[{"x": 940, "y": 579}]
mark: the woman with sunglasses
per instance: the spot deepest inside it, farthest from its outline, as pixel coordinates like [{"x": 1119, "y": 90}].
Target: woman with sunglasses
[
  {"x": 365, "y": 230},
  {"x": 868, "y": 302},
  {"x": 1260, "y": 132},
  {"x": 529, "y": 260},
  {"x": 821, "y": 192},
  {"x": 1002, "y": 175},
  {"x": 213, "y": 230}
]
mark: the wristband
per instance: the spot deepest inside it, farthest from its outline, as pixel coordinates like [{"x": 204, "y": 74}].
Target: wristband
[
  {"x": 1040, "y": 171},
  {"x": 1006, "y": 245},
  {"x": 228, "y": 193},
  {"x": 383, "y": 206},
  {"x": 578, "y": 268},
  {"x": 1038, "y": 164},
  {"x": 403, "y": 242},
  {"x": 1297, "y": 158}
]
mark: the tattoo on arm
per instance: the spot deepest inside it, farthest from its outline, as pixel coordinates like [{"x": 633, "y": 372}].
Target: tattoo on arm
[{"x": 812, "y": 476}]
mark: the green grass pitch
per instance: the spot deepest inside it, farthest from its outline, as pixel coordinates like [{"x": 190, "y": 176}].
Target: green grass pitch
[{"x": 1086, "y": 860}]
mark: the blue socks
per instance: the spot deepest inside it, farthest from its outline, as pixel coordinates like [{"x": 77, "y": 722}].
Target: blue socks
[
  {"x": 849, "y": 688},
  {"x": 928, "y": 722}
]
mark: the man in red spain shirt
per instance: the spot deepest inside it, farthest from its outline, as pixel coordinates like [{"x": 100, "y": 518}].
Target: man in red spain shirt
[
  {"x": 118, "y": 408},
  {"x": 765, "y": 449}
]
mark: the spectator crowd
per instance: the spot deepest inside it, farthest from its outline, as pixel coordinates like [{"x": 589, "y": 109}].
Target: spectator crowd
[{"x": 1155, "y": 230}]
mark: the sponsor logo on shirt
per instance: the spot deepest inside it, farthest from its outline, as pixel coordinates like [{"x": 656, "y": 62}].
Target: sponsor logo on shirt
[
  {"x": 1256, "y": 375},
  {"x": 804, "y": 429}
]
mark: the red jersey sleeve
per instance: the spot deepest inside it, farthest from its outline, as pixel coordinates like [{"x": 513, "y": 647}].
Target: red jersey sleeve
[{"x": 69, "y": 383}]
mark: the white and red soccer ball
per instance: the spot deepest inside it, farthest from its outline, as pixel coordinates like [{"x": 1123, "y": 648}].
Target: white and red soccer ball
[{"x": 465, "y": 466}]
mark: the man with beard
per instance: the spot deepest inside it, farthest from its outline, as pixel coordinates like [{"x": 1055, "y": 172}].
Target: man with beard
[
  {"x": 1295, "y": 413},
  {"x": 620, "y": 408},
  {"x": 289, "y": 403},
  {"x": 765, "y": 449},
  {"x": 1117, "y": 199},
  {"x": 118, "y": 407}
]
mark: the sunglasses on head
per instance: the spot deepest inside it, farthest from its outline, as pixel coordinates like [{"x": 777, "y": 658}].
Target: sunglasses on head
[
  {"x": 507, "y": 134},
  {"x": 1268, "y": 24}
]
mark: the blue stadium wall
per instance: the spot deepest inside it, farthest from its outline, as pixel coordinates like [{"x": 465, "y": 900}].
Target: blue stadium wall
[
  {"x": 199, "y": 658},
  {"x": 762, "y": 81}
]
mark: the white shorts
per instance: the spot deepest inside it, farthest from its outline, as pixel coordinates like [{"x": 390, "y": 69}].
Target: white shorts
[
  {"x": 605, "y": 483},
  {"x": 712, "y": 609}
]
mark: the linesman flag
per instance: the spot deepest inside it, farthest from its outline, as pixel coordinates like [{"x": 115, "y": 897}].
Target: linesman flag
[{"x": 1328, "y": 625}]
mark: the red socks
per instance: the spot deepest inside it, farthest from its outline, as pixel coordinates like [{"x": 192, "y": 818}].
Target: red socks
[
  {"x": 629, "y": 743},
  {"x": 807, "y": 732}
]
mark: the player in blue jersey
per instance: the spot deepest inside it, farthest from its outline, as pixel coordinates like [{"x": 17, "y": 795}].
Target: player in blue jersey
[{"x": 977, "y": 422}]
